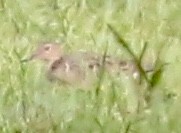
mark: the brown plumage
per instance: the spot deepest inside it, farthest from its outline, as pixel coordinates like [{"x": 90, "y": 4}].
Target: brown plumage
[{"x": 78, "y": 68}]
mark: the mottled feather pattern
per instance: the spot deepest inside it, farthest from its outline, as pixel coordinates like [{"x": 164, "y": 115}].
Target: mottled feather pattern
[{"x": 80, "y": 67}]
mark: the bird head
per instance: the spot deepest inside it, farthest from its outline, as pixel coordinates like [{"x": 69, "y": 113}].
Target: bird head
[{"x": 47, "y": 52}]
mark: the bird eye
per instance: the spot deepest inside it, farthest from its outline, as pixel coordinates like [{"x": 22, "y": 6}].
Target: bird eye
[{"x": 47, "y": 48}]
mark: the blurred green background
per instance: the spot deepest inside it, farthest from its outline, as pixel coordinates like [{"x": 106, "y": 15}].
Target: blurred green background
[{"x": 29, "y": 103}]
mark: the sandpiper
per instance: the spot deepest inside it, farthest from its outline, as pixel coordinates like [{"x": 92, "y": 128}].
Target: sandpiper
[{"x": 78, "y": 68}]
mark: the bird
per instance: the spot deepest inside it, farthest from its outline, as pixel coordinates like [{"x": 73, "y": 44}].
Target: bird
[{"x": 79, "y": 68}]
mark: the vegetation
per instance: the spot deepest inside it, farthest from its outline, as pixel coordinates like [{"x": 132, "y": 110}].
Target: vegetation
[{"x": 146, "y": 31}]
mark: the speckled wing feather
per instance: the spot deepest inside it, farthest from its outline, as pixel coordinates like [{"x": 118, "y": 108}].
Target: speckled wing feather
[{"x": 69, "y": 71}]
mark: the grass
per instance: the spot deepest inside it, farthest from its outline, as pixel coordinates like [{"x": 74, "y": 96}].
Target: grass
[{"x": 28, "y": 103}]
